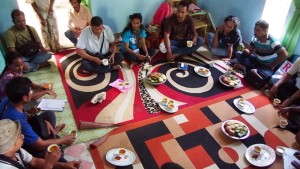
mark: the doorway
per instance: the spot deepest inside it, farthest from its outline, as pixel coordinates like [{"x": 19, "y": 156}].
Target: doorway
[{"x": 60, "y": 8}]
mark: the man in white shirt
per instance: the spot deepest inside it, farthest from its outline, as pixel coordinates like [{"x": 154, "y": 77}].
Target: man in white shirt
[
  {"x": 12, "y": 156},
  {"x": 79, "y": 18},
  {"x": 96, "y": 46}
]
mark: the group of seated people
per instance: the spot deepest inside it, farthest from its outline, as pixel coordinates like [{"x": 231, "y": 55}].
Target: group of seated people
[{"x": 95, "y": 42}]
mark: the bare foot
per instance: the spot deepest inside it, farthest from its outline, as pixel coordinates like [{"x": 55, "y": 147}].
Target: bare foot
[
  {"x": 58, "y": 128},
  {"x": 116, "y": 67}
]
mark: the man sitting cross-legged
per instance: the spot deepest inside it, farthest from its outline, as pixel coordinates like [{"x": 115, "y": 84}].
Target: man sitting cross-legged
[
  {"x": 180, "y": 28},
  {"x": 264, "y": 55},
  {"x": 97, "y": 48},
  {"x": 12, "y": 156},
  {"x": 19, "y": 92},
  {"x": 19, "y": 35}
]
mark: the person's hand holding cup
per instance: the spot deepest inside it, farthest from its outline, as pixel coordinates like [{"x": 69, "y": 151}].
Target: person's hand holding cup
[
  {"x": 189, "y": 43},
  {"x": 105, "y": 62}
]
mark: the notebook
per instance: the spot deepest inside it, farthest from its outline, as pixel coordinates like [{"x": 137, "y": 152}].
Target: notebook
[{"x": 52, "y": 104}]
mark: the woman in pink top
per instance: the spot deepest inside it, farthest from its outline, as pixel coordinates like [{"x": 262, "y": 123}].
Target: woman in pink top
[{"x": 164, "y": 10}]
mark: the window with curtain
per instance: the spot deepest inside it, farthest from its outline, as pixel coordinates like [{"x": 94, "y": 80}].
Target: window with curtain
[{"x": 276, "y": 12}]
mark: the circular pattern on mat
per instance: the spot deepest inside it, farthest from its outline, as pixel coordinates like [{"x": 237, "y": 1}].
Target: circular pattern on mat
[
  {"x": 186, "y": 74},
  {"x": 228, "y": 155},
  {"x": 89, "y": 83}
]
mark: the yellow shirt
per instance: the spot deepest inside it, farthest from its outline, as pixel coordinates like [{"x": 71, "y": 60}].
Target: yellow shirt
[{"x": 80, "y": 19}]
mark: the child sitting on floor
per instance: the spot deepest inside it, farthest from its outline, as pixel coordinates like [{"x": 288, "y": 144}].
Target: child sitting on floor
[{"x": 15, "y": 66}]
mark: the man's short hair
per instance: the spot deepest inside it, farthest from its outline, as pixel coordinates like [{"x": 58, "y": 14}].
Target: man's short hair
[
  {"x": 96, "y": 21},
  {"x": 11, "y": 56},
  {"x": 78, "y": 1},
  {"x": 15, "y": 13},
  {"x": 17, "y": 88},
  {"x": 263, "y": 24},
  {"x": 184, "y": 4},
  {"x": 234, "y": 19}
]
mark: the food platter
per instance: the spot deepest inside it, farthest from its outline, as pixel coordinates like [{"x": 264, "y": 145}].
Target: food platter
[
  {"x": 237, "y": 131},
  {"x": 156, "y": 78},
  {"x": 202, "y": 71},
  {"x": 120, "y": 157},
  {"x": 231, "y": 80},
  {"x": 166, "y": 109},
  {"x": 248, "y": 108},
  {"x": 266, "y": 157}
]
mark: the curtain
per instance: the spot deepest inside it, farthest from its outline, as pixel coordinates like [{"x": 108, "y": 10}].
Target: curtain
[
  {"x": 87, "y": 3},
  {"x": 292, "y": 33}
]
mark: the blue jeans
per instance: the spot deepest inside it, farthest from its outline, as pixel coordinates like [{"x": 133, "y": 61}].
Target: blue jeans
[
  {"x": 70, "y": 35},
  {"x": 220, "y": 51},
  {"x": 132, "y": 57},
  {"x": 95, "y": 68},
  {"x": 251, "y": 62},
  {"x": 33, "y": 62},
  {"x": 180, "y": 47}
]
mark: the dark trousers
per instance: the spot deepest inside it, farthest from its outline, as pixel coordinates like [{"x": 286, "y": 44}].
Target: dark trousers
[
  {"x": 251, "y": 62},
  {"x": 95, "y": 68},
  {"x": 180, "y": 46},
  {"x": 51, "y": 118},
  {"x": 132, "y": 58}
]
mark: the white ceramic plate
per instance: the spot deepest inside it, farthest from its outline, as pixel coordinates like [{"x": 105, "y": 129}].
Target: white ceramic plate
[
  {"x": 220, "y": 79},
  {"x": 200, "y": 74},
  {"x": 235, "y": 137},
  {"x": 154, "y": 83},
  {"x": 111, "y": 154},
  {"x": 248, "y": 109},
  {"x": 266, "y": 157},
  {"x": 166, "y": 109}
]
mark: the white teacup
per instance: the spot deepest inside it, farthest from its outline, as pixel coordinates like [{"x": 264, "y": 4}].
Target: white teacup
[
  {"x": 256, "y": 150},
  {"x": 105, "y": 62},
  {"x": 126, "y": 85},
  {"x": 73, "y": 133},
  {"x": 52, "y": 148},
  {"x": 276, "y": 102},
  {"x": 189, "y": 43},
  {"x": 211, "y": 63},
  {"x": 164, "y": 101},
  {"x": 283, "y": 123},
  {"x": 241, "y": 103},
  {"x": 279, "y": 150}
]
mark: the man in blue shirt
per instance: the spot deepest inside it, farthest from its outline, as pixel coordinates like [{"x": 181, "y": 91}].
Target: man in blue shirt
[{"x": 18, "y": 93}]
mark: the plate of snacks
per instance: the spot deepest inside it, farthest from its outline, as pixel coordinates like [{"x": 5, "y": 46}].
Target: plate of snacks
[
  {"x": 244, "y": 105},
  {"x": 235, "y": 129},
  {"x": 260, "y": 155},
  {"x": 120, "y": 157},
  {"x": 168, "y": 105},
  {"x": 230, "y": 80},
  {"x": 156, "y": 78},
  {"x": 202, "y": 71}
]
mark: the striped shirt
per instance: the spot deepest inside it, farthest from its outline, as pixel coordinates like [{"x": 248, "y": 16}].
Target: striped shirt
[{"x": 266, "y": 52}]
